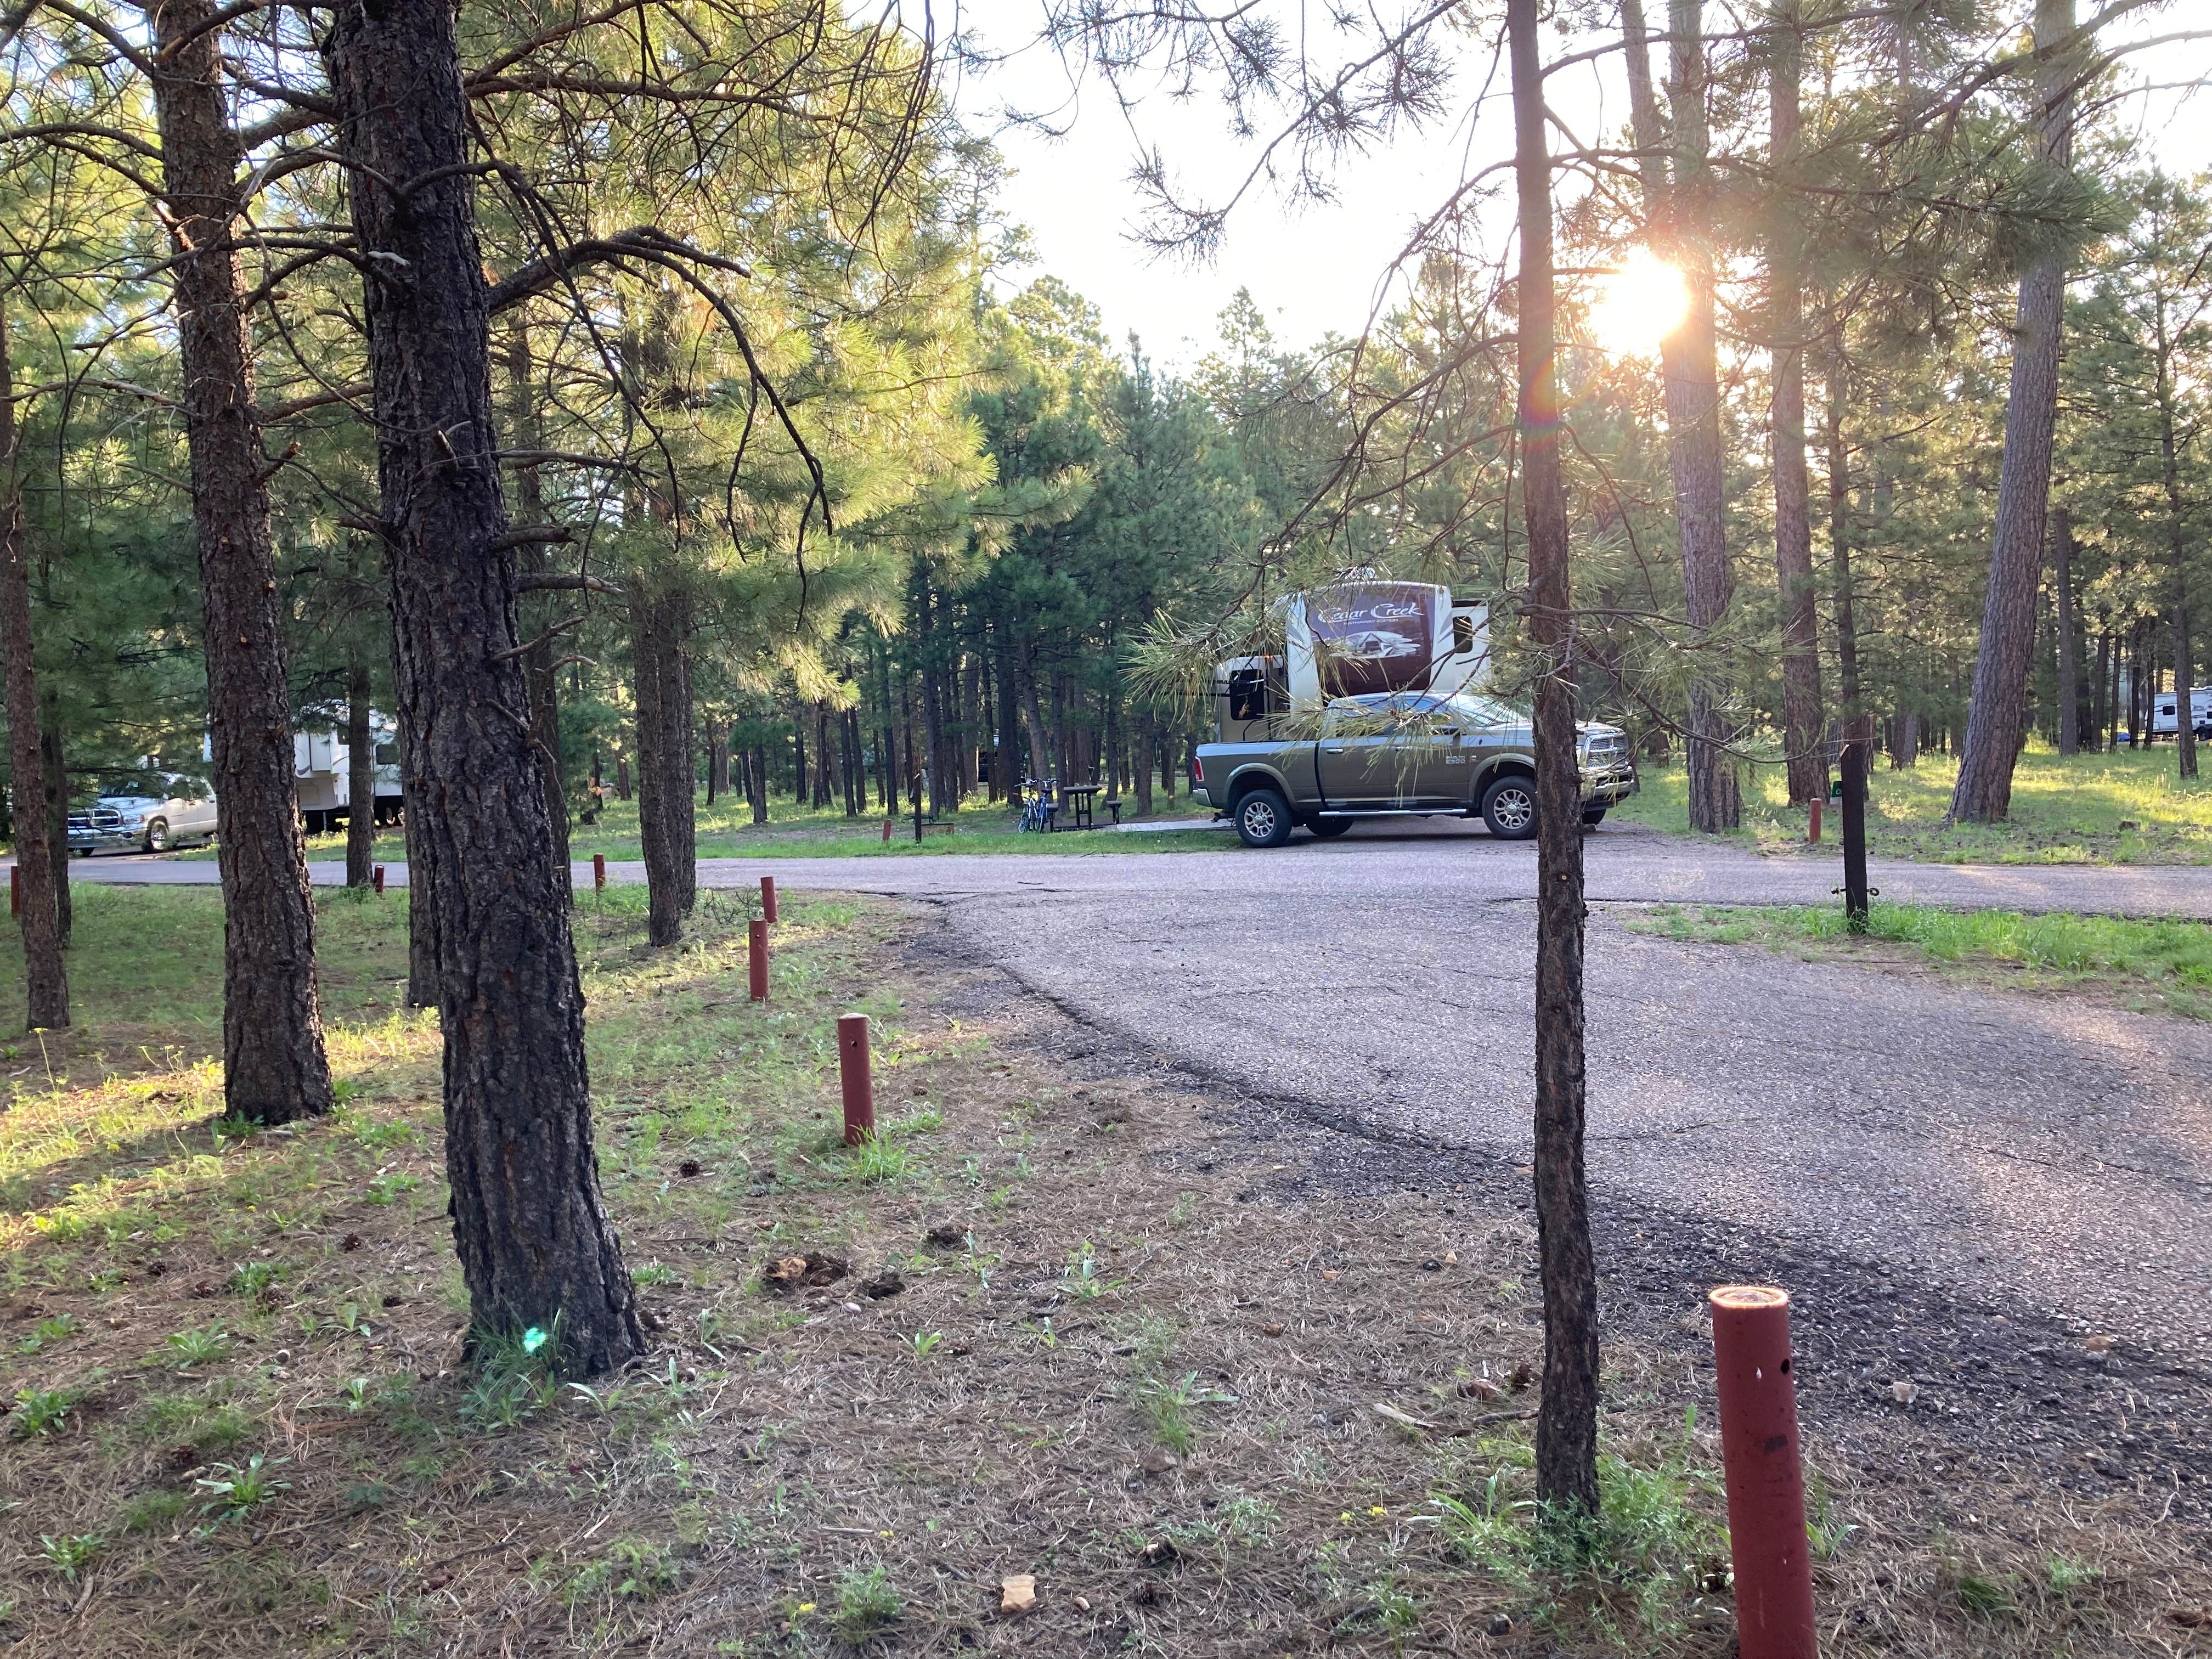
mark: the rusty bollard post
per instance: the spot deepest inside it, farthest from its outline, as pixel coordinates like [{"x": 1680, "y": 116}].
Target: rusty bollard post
[
  {"x": 1812, "y": 832},
  {"x": 768, "y": 900},
  {"x": 1766, "y": 1477},
  {"x": 756, "y": 959},
  {"x": 855, "y": 1077},
  {"x": 599, "y": 872},
  {"x": 376, "y": 880}
]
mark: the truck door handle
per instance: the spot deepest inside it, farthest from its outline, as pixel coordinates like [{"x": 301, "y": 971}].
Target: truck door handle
[{"x": 1334, "y": 748}]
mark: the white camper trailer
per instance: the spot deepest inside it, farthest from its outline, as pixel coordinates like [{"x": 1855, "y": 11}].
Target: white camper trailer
[
  {"x": 1354, "y": 638},
  {"x": 322, "y": 765}
]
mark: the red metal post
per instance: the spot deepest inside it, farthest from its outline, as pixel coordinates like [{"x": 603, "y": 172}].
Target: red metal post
[
  {"x": 598, "y": 870},
  {"x": 1813, "y": 834},
  {"x": 887, "y": 832},
  {"x": 856, "y": 1078},
  {"x": 1765, "y": 1481},
  {"x": 756, "y": 959},
  {"x": 376, "y": 880},
  {"x": 768, "y": 900}
]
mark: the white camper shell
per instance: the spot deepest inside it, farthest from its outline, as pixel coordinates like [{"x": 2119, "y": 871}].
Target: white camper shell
[{"x": 1358, "y": 637}]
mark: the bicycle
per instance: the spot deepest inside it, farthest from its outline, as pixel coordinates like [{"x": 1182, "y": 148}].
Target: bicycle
[{"x": 1038, "y": 806}]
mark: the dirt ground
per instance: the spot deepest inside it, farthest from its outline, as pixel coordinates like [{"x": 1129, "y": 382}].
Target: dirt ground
[{"x": 1073, "y": 1319}]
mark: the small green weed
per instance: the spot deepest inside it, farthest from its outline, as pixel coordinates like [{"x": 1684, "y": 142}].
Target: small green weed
[
  {"x": 47, "y": 1332},
  {"x": 877, "y": 1160},
  {"x": 1166, "y": 1408},
  {"x": 41, "y": 1411},
  {"x": 235, "y": 1491},
  {"x": 193, "y": 1347},
  {"x": 514, "y": 1378},
  {"x": 867, "y": 1604},
  {"x": 70, "y": 1553},
  {"x": 255, "y": 1279},
  {"x": 633, "y": 1569},
  {"x": 925, "y": 1343},
  {"x": 1985, "y": 1598},
  {"x": 1081, "y": 1280},
  {"x": 387, "y": 1187},
  {"x": 2067, "y": 1575}
]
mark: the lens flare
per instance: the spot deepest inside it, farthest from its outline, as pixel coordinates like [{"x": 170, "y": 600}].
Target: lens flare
[{"x": 1639, "y": 305}]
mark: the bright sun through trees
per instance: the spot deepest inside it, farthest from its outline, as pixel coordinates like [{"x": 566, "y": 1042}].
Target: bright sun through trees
[{"x": 1637, "y": 305}]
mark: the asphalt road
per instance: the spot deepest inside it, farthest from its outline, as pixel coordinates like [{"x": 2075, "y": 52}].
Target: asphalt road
[{"x": 2023, "y": 1152}]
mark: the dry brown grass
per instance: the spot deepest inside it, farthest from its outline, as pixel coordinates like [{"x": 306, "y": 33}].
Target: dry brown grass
[{"x": 1132, "y": 1273}]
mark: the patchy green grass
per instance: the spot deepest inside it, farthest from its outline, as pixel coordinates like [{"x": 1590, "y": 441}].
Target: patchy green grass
[
  {"x": 2159, "y": 967},
  {"x": 2089, "y": 809},
  {"x": 726, "y": 830}
]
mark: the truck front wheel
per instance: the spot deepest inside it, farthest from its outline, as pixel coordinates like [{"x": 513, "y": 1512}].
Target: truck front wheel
[
  {"x": 1263, "y": 818},
  {"x": 1508, "y": 807}
]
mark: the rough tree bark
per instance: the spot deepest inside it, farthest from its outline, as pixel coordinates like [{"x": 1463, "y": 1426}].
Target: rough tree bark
[
  {"x": 535, "y": 1248},
  {"x": 1676, "y": 174},
  {"x": 1808, "y": 759},
  {"x": 53, "y": 756},
  {"x": 664, "y": 916},
  {"x": 46, "y": 975},
  {"x": 422, "y": 903},
  {"x": 537, "y": 662},
  {"x": 2069, "y": 635},
  {"x": 1567, "y": 1421},
  {"x": 274, "y": 1070},
  {"x": 1996, "y": 710},
  {"x": 360, "y": 773}
]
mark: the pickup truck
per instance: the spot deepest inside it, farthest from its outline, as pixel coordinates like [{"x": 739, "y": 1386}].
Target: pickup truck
[{"x": 1401, "y": 754}]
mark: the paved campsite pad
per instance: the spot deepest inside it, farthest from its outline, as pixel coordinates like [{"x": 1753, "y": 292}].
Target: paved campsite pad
[{"x": 1146, "y": 1251}]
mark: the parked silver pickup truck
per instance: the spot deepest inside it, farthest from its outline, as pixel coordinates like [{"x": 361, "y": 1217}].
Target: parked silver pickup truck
[{"x": 1406, "y": 754}]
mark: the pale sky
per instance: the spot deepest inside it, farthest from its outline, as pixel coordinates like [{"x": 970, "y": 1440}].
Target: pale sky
[{"x": 1315, "y": 269}]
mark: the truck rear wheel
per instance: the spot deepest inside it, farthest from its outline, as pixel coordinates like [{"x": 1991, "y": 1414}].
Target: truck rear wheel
[
  {"x": 1263, "y": 818},
  {"x": 1508, "y": 807}
]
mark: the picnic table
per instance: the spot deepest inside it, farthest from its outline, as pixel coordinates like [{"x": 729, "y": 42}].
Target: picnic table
[{"x": 1075, "y": 805}]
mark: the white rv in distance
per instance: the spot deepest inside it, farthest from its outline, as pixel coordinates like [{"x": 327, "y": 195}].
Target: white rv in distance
[
  {"x": 2163, "y": 723},
  {"x": 322, "y": 772}
]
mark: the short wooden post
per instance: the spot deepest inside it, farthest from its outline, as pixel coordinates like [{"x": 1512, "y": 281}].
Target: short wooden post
[
  {"x": 1765, "y": 1481},
  {"x": 856, "y": 1078}
]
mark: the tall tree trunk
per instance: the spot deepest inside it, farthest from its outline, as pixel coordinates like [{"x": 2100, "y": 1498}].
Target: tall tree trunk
[
  {"x": 274, "y": 1070},
  {"x": 1679, "y": 209},
  {"x": 1040, "y": 749},
  {"x": 54, "y": 755},
  {"x": 1141, "y": 766},
  {"x": 1808, "y": 762},
  {"x": 46, "y": 975},
  {"x": 2069, "y": 635},
  {"x": 665, "y": 915},
  {"x": 1839, "y": 534},
  {"x": 2100, "y": 702},
  {"x": 1566, "y": 1420},
  {"x": 1997, "y": 711},
  {"x": 538, "y": 670},
  {"x": 360, "y": 773},
  {"x": 2185, "y": 704},
  {"x": 660, "y": 629},
  {"x": 622, "y": 775},
  {"x": 536, "y": 1248}
]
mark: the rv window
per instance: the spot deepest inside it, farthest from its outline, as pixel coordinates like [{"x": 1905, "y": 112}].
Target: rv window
[
  {"x": 1247, "y": 694},
  {"x": 1463, "y": 635}
]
